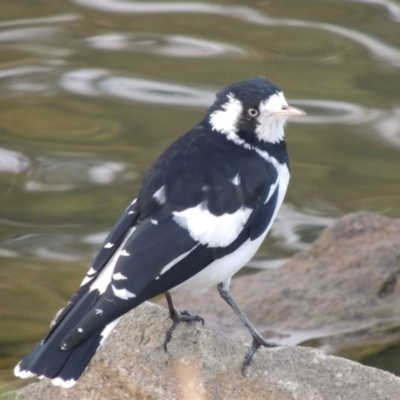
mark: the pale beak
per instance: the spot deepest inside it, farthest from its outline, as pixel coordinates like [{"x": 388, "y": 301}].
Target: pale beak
[{"x": 290, "y": 112}]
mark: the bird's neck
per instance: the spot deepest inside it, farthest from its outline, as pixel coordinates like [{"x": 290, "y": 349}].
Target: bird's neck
[
  {"x": 277, "y": 150},
  {"x": 250, "y": 141}
]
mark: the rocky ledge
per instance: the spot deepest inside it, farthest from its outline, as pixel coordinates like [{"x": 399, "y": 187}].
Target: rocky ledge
[{"x": 346, "y": 278}]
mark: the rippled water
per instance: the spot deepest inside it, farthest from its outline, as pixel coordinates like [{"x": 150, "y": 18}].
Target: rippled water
[{"x": 91, "y": 91}]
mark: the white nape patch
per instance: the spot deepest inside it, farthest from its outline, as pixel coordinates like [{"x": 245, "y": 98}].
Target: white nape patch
[
  {"x": 124, "y": 253},
  {"x": 119, "y": 277},
  {"x": 270, "y": 128},
  {"x": 98, "y": 311},
  {"x": 65, "y": 384},
  {"x": 80, "y": 330},
  {"x": 154, "y": 221},
  {"x": 122, "y": 293},
  {"x": 236, "y": 180},
  {"x": 160, "y": 196},
  {"x": 225, "y": 120},
  {"x": 209, "y": 229},
  {"x": 108, "y": 245},
  {"x": 108, "y": 329},
  {"x": 104, "y": 278},
  {"x": 20, "y": 373},
  {"x": 174, "y": 261}
]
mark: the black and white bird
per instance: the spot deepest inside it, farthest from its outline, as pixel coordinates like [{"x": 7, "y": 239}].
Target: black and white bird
[{"x": 203, "y": 210}]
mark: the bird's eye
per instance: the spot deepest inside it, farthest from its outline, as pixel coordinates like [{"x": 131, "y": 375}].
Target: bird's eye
[{"x": 253, "y": 112}]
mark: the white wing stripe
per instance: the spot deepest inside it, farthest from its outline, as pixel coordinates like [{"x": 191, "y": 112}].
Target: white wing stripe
[
  {"x": 209, "y": 229},
  {"x": 119, "y": 277},
  {"x": 104, "y": 278},
  {"x": 123, "y": 293},
  {"x": 175, "y": 261}
]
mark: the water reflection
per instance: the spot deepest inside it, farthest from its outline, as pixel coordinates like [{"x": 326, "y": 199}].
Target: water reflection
[
  {"x": 58, "y": 247},
  {"x": 56, "y": 19},
  {"x": 39, "y": 38},
  {"x": 336, "y": 112},
  {"x": 290, "y": 222},
  {"x": 92, "y": 82},
  {"x": 165, "y": 45},
  {"x": 83, "y": 81},
  {"x": 392, "y": 8},
  {"x": 61, "y": 173},
  {"x": 155, "y": 92},
  {"x": 20, "y": 80},
  {"x": 121, "y": 6},
  {"x": 52, "y": 242},
  {"x": 13, "y": 161},
  {"x": 26, "y": 34},
  {"x": 388, "y": 127},
  {"x": 387, "y": 54}
]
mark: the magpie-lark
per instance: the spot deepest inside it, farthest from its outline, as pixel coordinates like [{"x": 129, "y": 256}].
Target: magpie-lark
[{"x": 203, "y": 210}]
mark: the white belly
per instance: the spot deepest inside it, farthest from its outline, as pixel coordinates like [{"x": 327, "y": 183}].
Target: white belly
[{"x": 221, "y": 269}]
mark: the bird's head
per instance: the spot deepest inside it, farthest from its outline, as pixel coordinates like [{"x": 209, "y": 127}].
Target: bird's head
[{"x": 252, "y": 107}]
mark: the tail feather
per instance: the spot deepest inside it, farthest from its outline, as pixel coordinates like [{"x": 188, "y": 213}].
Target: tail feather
[
  {"x": 80, "y": 358},
  {"x": 64, "y": 367}
]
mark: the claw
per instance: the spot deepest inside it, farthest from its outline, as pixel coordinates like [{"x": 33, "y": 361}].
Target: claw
[
  {"x": 177, "y": 318},
  {"x": 257, "y": 343},
  {"x": 194, "y": 318}
]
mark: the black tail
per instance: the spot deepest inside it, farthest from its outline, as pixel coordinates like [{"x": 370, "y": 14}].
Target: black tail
[{"x": 64, "y": 367}]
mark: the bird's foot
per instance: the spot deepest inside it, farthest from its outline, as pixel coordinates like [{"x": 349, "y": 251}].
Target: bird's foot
[
  {"x": 258, "y": 341},
  {"x": 178, "y": 317}
]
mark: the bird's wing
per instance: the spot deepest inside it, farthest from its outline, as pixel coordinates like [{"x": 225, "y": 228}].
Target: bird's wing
[
  {"x": 110, "y": 245},
  {"x": 187, "y": 218}
]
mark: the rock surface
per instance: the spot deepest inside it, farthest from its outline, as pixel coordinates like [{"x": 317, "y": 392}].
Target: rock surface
[
  {"x": 342, "y": 290},
  {"x": 202, "y": 365},
  {"x": 345, "y": 282}
]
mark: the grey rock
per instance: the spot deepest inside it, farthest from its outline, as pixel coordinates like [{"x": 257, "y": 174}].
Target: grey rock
[{"x": 202, "y": 365}]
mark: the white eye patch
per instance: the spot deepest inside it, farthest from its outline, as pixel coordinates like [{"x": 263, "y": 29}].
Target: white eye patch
[
  {"x": 270, "y": 127},
  {"x": 274, "y": 103}
]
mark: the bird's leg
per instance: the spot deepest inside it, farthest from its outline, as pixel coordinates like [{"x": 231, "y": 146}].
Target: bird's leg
[
  {"x": 258, "y": 340},
  {"x": 178, "y": 317}
]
